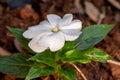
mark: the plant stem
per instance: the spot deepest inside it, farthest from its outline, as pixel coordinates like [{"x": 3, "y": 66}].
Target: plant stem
[
  {"x": 114, "y": 62},
  {"x": 78, "y": 70}
]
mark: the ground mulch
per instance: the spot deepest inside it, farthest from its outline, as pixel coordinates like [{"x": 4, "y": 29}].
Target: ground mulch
[{"x": 19, "y": 17}]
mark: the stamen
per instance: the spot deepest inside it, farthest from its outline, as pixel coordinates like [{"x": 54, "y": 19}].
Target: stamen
[{"x": 55, "y": 29}]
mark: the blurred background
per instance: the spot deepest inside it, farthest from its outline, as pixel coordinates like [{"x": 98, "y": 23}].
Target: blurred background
[{"x": 24, "y": 13}]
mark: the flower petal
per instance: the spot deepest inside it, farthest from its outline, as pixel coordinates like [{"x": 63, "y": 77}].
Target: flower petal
[
  {"x": 46, "y": 23},
  {"x": 75, "y": 24},
  {"x": 37, "y": 44},
  {"x": 72, "y": 31},
  {"x": 55, "y": 41},
  {"x": 72, "y": 37},
  {"x": 36, "y": 30},
  {"x": 53, "y": 19},
  {"x": 67, "y": 19}
]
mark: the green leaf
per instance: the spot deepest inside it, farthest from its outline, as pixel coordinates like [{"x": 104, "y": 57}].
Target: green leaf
[
  {"x": 45, "y": 57},
  {"x": 68, "y": 46},
  {"x": 18, "y": 34},
  {"x": 85, "y": 56},
  {"x": 76, "y": 56},
  {"x": 15, "y": 64},
  {"x": 36, "y": 71},
  {"x": 98, "y": 55},
  {"x": 92, "y": 35},
  {"x": 67, "y": 73}
]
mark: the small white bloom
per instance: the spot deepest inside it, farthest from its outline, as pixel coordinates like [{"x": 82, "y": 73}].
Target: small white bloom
[{"x": 53, "y": 32}]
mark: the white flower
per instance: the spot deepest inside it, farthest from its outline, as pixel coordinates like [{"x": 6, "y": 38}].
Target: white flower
[{"x": 53, "y": 32}]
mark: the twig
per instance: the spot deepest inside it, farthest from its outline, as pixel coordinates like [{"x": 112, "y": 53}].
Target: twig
[
  {"x": 78, "y": 70},
  {"x": 101, "y": 18},
  {"x": 114, "y": 62}
]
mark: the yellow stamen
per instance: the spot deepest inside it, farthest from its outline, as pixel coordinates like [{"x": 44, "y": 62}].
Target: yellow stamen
[{"x": 55, "y": 29}]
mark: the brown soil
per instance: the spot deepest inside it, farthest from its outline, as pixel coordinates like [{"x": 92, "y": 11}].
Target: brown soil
[{"x": 20, "y": 18}]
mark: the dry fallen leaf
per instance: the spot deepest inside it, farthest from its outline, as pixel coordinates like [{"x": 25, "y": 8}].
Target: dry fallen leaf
[
  {"x": 115, "y": 69},
  {"x": 27, "y": 13},
  {"x": 52, "y": 8},
  {"x": 3, "y": 52},
  {"x": 18, "y": 46},
  {"x": 9, "y": 77},
  {"x": 1, "y": 9},
  {"x": 115, "y": 3},
  {"x": 92, "y": 11},
  {"x": 78, "y": 8}
]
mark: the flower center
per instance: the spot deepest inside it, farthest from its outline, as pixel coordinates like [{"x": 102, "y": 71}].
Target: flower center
[{"x": 55, "y": 29}]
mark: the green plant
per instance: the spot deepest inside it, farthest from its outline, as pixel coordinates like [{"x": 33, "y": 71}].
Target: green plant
[{"x": 47, "y": 62}]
